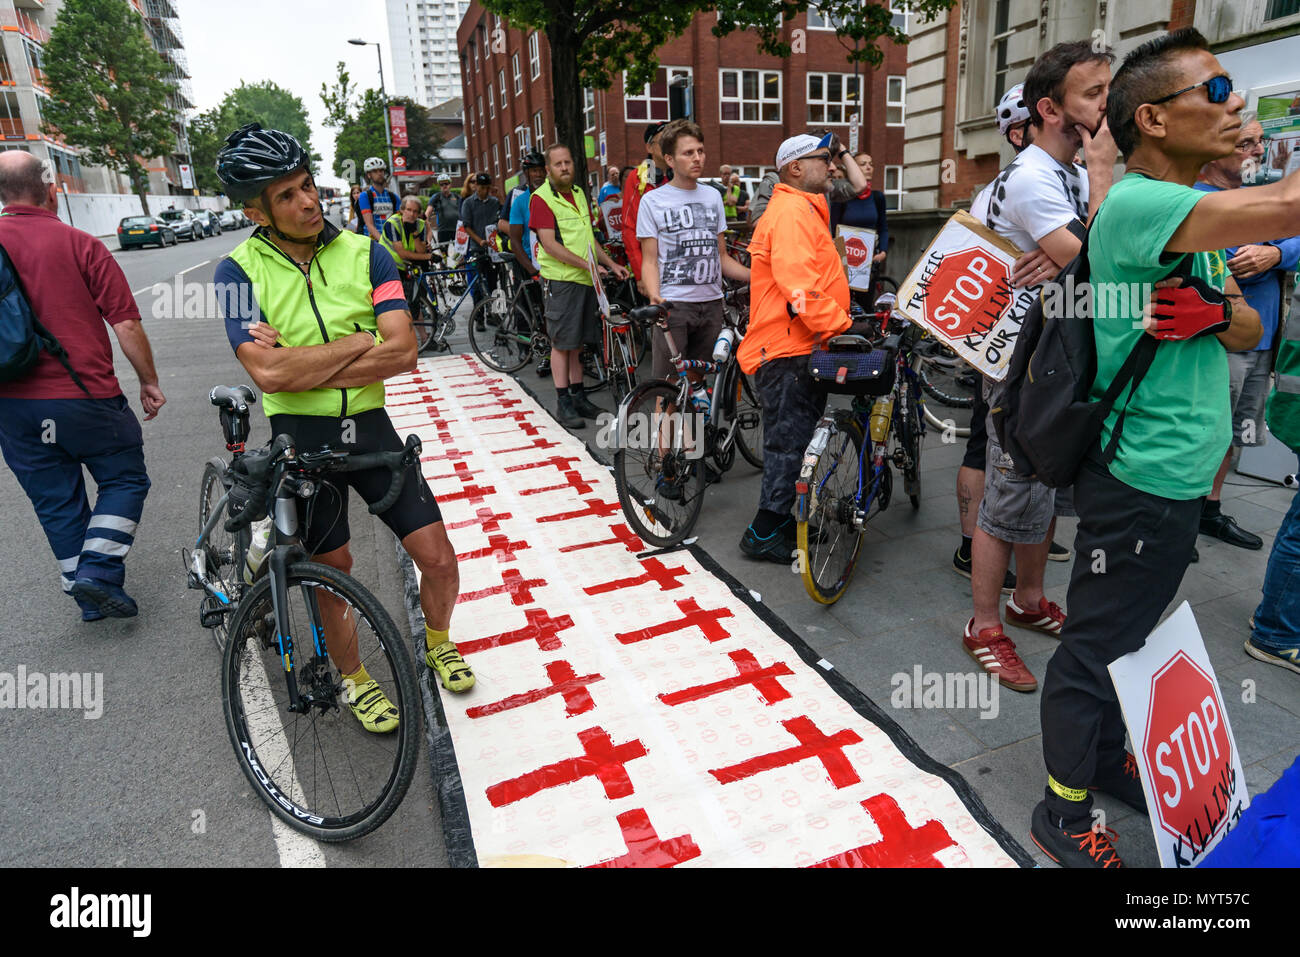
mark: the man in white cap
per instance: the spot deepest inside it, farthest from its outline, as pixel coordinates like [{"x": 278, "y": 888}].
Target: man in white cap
[
  {"x": 799, "y": 297},
  {"x": 854, "y": 185}
]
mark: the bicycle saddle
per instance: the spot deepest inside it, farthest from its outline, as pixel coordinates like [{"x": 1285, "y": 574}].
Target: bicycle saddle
[
  {"x": 235, "y": 398},
  {"x": 849, "y": 343}
]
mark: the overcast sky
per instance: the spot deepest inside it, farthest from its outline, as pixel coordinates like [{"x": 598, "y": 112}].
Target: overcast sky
[{"x": 295, "y": 45}]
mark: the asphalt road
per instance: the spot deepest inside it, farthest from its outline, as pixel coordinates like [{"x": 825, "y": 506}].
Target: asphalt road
[{"x": 154, "y": 781}]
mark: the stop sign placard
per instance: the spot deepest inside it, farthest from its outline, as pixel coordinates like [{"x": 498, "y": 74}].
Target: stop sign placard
[
  {"x": 1188, "y": 749},
  {"x": 968, "y": 292},
  {"x": 856, "y": 251}
]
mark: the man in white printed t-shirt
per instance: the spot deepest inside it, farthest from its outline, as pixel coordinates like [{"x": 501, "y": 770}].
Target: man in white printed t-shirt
[
  {"x": 1040, "y": 201},
  {"x": 683, "y": 252}
]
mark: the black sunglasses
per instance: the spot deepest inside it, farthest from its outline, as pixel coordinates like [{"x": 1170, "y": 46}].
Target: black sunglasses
[{"x": 1218, "y": 88}]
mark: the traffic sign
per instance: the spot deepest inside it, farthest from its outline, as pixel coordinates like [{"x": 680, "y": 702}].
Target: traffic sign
[{"x": 399, "y": 162}]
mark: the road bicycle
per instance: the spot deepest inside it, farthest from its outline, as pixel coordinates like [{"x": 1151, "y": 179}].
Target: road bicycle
[
  {"x": 506, "y": 334},
  {"x": 847, "y": 474},
  {"x": 298, "y": 744},
  {"x": 439, "y": 294},
  {"x": 666, "y": 431}
]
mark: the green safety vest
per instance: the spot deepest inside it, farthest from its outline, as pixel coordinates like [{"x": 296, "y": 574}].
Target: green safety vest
[
  {"x": 408, "y": 242},
  {"x": 332, "y": 300},
  {"x": 1284, "y": 404},
  {"x": 573, "y": 231}
]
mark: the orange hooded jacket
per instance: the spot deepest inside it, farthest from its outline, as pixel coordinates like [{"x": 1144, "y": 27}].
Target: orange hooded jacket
[{"x": 793, "y": 262}]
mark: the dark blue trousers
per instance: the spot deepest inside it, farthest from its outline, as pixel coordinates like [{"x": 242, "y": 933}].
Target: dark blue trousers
[{"x": 46, "y": 442}]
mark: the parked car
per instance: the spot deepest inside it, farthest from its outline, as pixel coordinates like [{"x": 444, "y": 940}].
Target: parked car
[
  {"x": 186, "y": 224},
  {"x": 210, "y": 220},
  {"x": 136, "y": 231},
  {"x": 232, "y": 219}
]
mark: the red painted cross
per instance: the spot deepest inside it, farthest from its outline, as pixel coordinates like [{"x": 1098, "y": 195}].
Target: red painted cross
[
  {"x": 418, "y": 390},
  {"x": 447, "y": 456},
  {"x": 572, "y": 480},
  {"x": 541, "y": 628},
  {"x": 601, "y": 759},
  {"x": 561, "y": 462},
  {"x": 900, "y": 844},
  {"x": 644, "y": 849},
  {"x": 812, "y": 744},
  {"x": 622, "y": 536},
  {"x": 495, "y": 404},
  {"x": 706, "y": 621},
  {"x": 474, "y": 493},
  {"x": 498, "y": 546},
  {"x": 763, "y": 680},
  {"x": 489, "y": 519},
  {"x": 571, "y": 687},
  {"x": 525, "y": 427},
  {"x": 426, "y": 401},
  {"x": 595, "y": 509},
  {"x": 496, "y": 392},
  {"x": 656, "y": 571},
  {"x": 512, "y": 583},
  {"x": 517, "y": 415},
  {"x": 462, "y": 472},
  {"x": 537, "y": 444}
]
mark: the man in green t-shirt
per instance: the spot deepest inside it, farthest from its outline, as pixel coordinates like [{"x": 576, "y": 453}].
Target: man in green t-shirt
[{"x": 1171, "y": 109}]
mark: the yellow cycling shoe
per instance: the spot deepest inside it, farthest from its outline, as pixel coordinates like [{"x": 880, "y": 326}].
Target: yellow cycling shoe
[
  {"x": 452, "y": 670},
  {"x": 371, "y": 707}
]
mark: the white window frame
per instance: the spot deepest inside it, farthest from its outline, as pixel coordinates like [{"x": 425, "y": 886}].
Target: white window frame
[
  {"x": 496, "y": 163},
  {"x": 813, "y": 10},
  {"x": 519, "y": 76},
  {"x": 899, "y": 104},
  {"x": 847, "y": 106},
  {"x": 534, "y": 57},
  {"x": 539, "y": 142},
  {"x": 480, "y": 109},
  {"x": 521, "y": 137},
  {"x": 492, "y": 103},
  {"x": 899, "y": 8},
  {"x": 588, "y": 108},
  {"x": 897, "y": 193},
  {"x": 740, "y": 100},
  {"x": 509, "y": 157},
  {"x": 643, "y": 96},
  {"x": 501, "y": 77}
]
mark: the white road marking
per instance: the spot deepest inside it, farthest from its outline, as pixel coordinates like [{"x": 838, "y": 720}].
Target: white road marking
[{"x": 163, "y": 282}]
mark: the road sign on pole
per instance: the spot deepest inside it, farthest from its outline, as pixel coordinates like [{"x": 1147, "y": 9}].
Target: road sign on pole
[{"x": 853, "y": 133}]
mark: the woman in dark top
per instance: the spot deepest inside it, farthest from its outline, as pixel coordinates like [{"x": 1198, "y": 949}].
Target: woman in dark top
[{"x": 868, "y": 213}]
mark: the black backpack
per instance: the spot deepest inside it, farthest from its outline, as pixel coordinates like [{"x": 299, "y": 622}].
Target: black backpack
[
  {"x": 22, "y": 337},
  {"x": 1046, "y": 421}
]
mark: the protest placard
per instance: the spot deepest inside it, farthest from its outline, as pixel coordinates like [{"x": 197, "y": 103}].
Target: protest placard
[{"x": 859, "y": 248}]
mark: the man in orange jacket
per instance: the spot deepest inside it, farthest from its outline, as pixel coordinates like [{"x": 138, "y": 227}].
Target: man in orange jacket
[
  {"x": 652, "y": 172},
  {"x": 799, "y": 296}
]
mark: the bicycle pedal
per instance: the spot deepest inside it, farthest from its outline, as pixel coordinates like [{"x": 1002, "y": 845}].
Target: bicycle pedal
[{"x": 212, "y": 612}]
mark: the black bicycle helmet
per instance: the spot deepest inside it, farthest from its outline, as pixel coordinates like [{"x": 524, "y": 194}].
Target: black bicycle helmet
[
  {"x": 254, "y": 157},
  {"x": 532, "y": 158}
]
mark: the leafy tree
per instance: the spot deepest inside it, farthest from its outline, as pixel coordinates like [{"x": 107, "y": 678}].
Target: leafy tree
[
  {"x": 359, "y": 119},
  {"x": 108, "y": 92},
  {"x": 591, "y": 41},
  {"x": 266, "y": 103}
]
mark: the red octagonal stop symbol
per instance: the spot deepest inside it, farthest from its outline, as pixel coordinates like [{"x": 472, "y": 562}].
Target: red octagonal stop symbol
[
  {"x": 969, "y": 292},
  {"x": 1187, "y": 751},
  {"x": 855, "y": 251}
]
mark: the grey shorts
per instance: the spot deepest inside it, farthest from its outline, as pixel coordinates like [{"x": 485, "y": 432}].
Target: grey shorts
[
  {"x": 1015, "y": 508},
  {"x": 1248, "y": 374},
  {"x": 571, "y": 314},
  {"x": 694, "y": 327}
]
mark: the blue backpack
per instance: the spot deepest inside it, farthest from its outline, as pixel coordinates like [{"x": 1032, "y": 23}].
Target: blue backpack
[{"x": 22, "y": 337}]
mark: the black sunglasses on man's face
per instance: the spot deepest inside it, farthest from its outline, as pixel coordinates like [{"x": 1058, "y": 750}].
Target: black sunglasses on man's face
[{"x": 1217, "y": 88}]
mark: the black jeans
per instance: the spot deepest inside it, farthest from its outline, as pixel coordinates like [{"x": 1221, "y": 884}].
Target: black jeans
[
  {"x": 1131, "y": 551},
  {"x": 792, "y": 405}
]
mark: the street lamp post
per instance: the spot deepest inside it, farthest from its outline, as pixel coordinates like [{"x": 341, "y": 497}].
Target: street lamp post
[{"x": 388, "y": 138}]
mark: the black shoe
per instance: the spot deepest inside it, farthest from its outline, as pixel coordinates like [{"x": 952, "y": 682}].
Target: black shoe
[
  {"x": 1072, "y": 844},
  {"x": 816, "y": 536},
  {"x": 962, "y": 566},
  {"x": 1059, "y": 553},
  {"x": 109, "y": 600},
  {"x": 567, "y": 414},
  {"x": 1122, "y": 783},
  {"x": 582, "y": 405},
  {"x": 480, "y": 325},
  {"x": 544, "y": 368},
  {"x": 1226, "y": 529},
  {"x": 774, "y": 548},
  {"x": 1196, "y": 556}
]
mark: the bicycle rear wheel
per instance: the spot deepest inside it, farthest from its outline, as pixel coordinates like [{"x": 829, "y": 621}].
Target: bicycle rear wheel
[
  {"x": 658, "y": 468},
  {"x": 828, "y": 541},
  {"x": 320, "y": 772},
  {"x": 224, "y": 551},
  {"x": 505, "y": 341},
  {"x": 749, "y": 418},
  {"x": 948, "y": 380},
  {"x": 907, "y": 435}
]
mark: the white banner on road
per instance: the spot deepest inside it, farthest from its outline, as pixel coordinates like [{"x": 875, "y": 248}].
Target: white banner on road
[{"x": 1189, "y": 763}]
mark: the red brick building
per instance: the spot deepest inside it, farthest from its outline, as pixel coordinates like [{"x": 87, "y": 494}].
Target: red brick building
[{"x": 745, "y": 102}]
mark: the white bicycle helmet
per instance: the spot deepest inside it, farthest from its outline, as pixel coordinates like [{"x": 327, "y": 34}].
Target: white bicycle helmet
[
  {"x": 374, "y": 162},
  {"x": 1011, "y": 109}
]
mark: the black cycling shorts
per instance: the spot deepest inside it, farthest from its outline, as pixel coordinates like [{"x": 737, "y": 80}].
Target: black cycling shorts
[
  {"x": 977, "y": 445},
  {"x": 323, "y": 521}
]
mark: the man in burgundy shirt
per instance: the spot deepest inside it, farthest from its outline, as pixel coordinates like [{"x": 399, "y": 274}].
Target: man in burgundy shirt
[{"x": 49, "y": 425}]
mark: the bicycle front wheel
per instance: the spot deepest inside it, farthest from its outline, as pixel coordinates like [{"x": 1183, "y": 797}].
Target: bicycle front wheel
[
  {"x": 505, "y": 341},
  {"x": 948, "y": 380},
  {"x": 829, "y": 541},
  {"x": 658, "y": 467},
  {"x": 224, "y": 551},
  {"x": 319, "y": 771}
]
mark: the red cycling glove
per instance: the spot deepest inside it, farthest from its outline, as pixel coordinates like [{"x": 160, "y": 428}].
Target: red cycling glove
[{"x": 1193, "y": 309}]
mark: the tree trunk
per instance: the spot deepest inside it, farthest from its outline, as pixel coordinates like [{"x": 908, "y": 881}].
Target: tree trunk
[
  {"x": 568, "y": 98},
  {"x": 141, "y": 185}
]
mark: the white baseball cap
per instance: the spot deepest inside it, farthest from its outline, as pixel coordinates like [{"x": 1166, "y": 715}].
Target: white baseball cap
[{"x": 797, "y": 147}]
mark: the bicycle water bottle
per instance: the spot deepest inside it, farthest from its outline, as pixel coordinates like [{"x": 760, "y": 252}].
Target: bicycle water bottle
[
  {"x": 257, "y": 549},
  {"x": 700, "y": 398},
  {"x": 723, "y": 345},
  {"x": 882, "y": 413}
]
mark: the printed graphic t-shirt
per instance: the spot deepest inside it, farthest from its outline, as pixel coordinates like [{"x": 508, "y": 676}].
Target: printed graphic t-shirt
[
  {"x": 1033, "y": 196},
  {"x": 686, "y": 222}
]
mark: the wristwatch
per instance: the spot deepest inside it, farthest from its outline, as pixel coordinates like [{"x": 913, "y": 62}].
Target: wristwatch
[{"x": 841, "y": 153}]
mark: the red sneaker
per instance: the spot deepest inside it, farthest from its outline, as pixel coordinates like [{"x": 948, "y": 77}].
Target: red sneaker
[
  {"x": 1047, "y": 617},
  {"x": 997, "y": 654}
]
